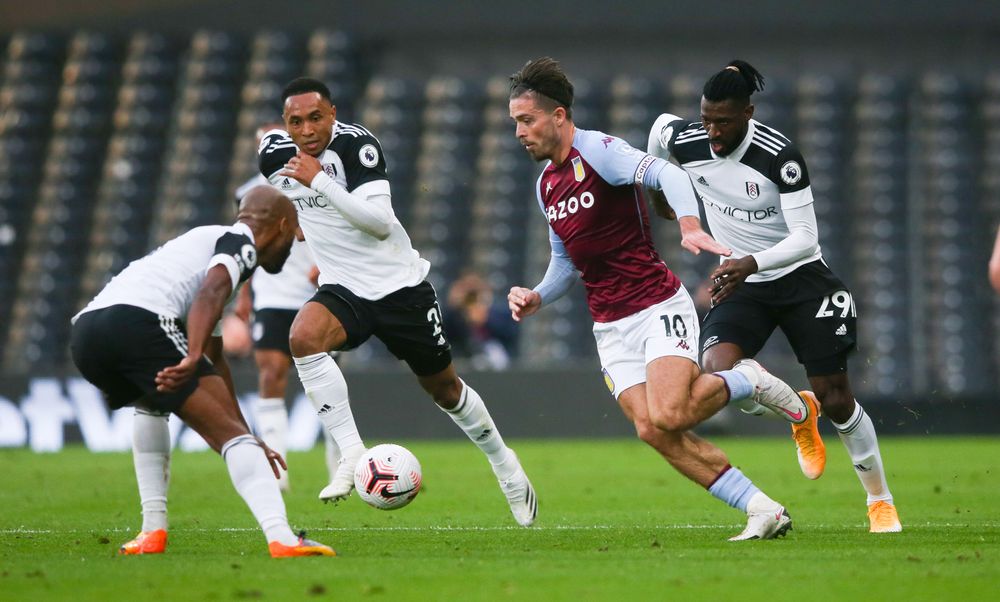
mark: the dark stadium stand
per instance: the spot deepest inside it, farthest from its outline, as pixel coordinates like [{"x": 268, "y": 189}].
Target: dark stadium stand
[
  {"x": 446, "y": 156},
  {"x": 502, "y": 183},
  {"x": 879, "y": 241},
  {"x": 31, "y": 77},
  {"x": 57, "y": 235},
  {"x": 112, "y": 143},
  {"x": 947, "y": 162}
]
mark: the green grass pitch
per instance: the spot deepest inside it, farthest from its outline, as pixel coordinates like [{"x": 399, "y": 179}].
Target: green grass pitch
[{"x": 614, "y": 521}]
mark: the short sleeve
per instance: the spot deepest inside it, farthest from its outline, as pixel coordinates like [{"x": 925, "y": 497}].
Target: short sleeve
[
  {"x": 789, "y": 170},
  {"x": 238, "y": 253},
  {"x": 275, "y": 149},
  {"x": 618, "y": 163},
  {"x": 662, "y": 133},
  {"x": 363, "y": 160}
]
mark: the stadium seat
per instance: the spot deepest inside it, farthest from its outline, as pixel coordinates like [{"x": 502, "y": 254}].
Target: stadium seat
[{"x": 62, "y": 214}]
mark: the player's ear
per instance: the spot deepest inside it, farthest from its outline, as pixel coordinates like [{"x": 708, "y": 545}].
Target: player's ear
[
  {"x": 748, "y": 112},
  {"x": 333, "y": 111}
]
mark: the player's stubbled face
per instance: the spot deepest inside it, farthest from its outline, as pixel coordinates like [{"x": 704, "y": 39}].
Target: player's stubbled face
[
  {"x": 535, "y": 127},
  {"x": 273, "y": 258},
  {"x": 309, "y": 121},
  {"x": 725, "y": 122}
]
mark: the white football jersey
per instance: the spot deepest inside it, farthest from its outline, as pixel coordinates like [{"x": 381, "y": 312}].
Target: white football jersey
[
  {"x": 291, "y": 287},
  {"x": 369, "y": 267},
  {"x": 288, "y": 289},
  {"x": 166, "y": 281},
  {"x": 744, "y": 193}
]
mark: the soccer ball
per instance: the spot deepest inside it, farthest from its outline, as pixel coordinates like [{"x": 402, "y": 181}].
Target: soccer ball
[{"x": 387, "y": 476}]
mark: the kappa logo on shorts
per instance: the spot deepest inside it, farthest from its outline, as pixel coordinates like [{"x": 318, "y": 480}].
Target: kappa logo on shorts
[
  {"x": 683, "y": 345},
  {"x": 709, "y": 342}
]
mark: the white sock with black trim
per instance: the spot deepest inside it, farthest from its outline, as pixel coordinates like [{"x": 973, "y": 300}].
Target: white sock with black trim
[
  {"x": 858, "y": 435},
  {"x": 151, "y": 456},
  {"x": 252, "y": 477},
  {"x": 327, "y": 390},
  {"x": 472, "y": 417}
]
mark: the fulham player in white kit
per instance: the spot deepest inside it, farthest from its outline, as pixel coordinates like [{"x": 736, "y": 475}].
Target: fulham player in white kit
[
  {"x": 755, "y": 188},
  {"x": 273, "y": 300},
  {"x": 372, "y": 283},
  {"x": 151, "y": 339},
  {"x": 644, "y": 320}
]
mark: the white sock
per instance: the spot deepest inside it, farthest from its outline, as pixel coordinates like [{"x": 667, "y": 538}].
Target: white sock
[
  {"x": 151, "y": 455},
  {"x": 254, "y": 481},
  {"x": 858, "y": 435},
  {"x": 760, "y": 503},
  {"x": 327, "y": 390},
  {"x": 472, "y": 417},
  {"x": 332, "y": 454},
  {"x": 272, "y": 426},
  {"x": 272, "y": 422}
]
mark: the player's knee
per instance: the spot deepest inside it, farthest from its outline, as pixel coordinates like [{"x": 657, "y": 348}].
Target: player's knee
[
  {"x": 668, "y": 417},
  {"x": 647, "y": 432},
  {"x": 303, "y": 342},
  {"x": 445, "y": 391},
  {"x": 836, "y": 400},
  {"x": 710, "y": 363}
]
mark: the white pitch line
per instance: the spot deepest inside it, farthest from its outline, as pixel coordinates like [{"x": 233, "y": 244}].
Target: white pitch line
[{"x": 450, "y": 528}]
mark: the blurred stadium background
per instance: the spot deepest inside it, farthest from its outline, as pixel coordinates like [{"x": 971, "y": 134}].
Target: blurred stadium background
[{"x": 124, "y": 124}]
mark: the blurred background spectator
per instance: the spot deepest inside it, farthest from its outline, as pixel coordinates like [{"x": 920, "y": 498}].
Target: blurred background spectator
[{"x": 478, "y": 325}]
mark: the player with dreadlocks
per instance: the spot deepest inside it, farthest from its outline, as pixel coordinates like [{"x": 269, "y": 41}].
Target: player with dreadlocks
[{"x": 755, "y": 188}]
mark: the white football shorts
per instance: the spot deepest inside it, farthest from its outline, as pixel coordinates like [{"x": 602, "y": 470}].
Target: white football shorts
[{"x": 626, "y": 346}]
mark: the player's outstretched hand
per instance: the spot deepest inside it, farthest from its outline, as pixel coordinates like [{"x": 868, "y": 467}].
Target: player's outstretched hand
[
  {"x": 729, "y": 274},
  {"x": 172, "y": 377},
  {"x": 696, "y": 240},
  {"x": 523, "y": 302},
  {"x": 273, "y": 458},
  {"x": 303, "y": 167}
]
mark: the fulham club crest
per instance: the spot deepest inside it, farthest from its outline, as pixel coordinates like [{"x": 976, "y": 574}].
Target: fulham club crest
[{"x": 753, "y": 190}]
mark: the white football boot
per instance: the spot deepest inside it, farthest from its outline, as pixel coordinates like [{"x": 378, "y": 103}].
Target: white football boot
[
  {"x": 521, "y": 496},
  {"x": 765, "y": 525},
  {"x": 773, "y": 393},
  {"x": 342, "y": 483}
]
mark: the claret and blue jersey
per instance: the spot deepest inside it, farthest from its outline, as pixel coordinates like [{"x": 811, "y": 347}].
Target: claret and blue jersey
[{"x": 595, "y": 210}]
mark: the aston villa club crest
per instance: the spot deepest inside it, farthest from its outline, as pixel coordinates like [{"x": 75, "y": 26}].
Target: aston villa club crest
[
  {"x": 578, "y": 169},
  {"x": 753, "y": 190}
]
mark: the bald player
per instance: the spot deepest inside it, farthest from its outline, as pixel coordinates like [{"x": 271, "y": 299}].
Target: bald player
[{"x": 151, "y": 339}]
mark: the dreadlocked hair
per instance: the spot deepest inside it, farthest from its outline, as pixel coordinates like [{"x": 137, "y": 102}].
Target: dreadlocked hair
[
  {"x": 737, "y": 82},
  {"x": 546, "y": 80}
]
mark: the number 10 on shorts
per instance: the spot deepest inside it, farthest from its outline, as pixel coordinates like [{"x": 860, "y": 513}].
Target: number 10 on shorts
[{"x": 674, "y": 325}]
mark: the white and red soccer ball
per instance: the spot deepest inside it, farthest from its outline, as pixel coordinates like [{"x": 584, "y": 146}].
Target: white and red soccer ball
[{"x": 387, "y": 476}]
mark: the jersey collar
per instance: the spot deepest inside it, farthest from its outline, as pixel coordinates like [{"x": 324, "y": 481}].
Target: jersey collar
[{"x": 741, "y": 149}]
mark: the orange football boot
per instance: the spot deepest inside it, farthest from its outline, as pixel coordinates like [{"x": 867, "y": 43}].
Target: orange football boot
[
  {"x": 146, "y": 542},
  {"x": 809, "y": 446},
  {"x": 882, "y": 518},
  {"x": 305, "y": 547}
]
